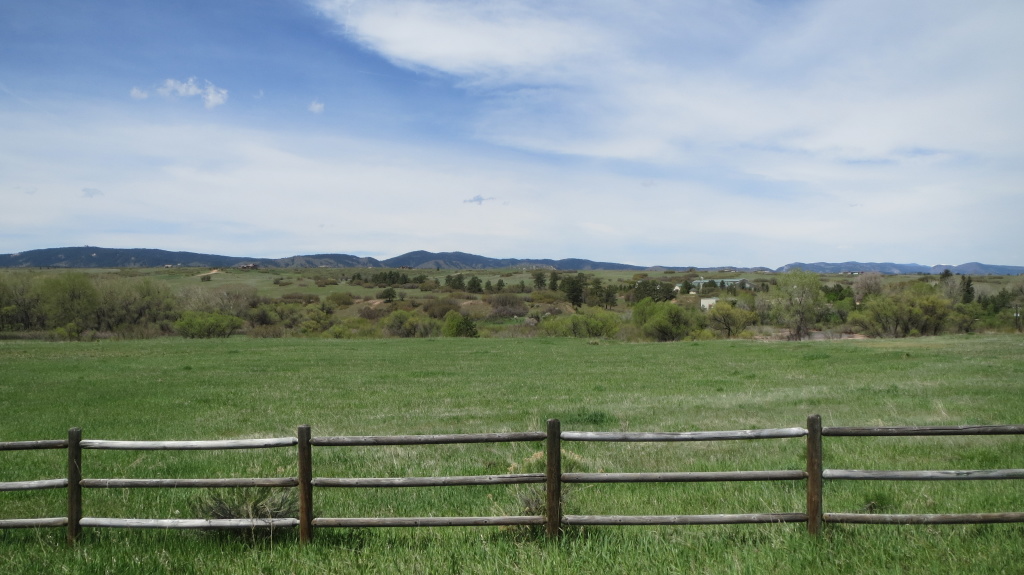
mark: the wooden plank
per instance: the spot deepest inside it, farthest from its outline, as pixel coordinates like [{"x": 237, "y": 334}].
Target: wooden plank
[
  {"x": 189, "y": 445},
  {"x": 42, "y": 444},
  {"x": 188, "y": 523},
  {"x": 428, "y": 439},
  {"x": 684, "y": 519},
  {"x": 815, "y": 506},
  {"x": 74, "y": 484},
  {"x": 30, "y": 523},
  {"x": 943, "y": 519},
  {"x": 305, "y": 465},
  {"x": 923, "y": 430},
  {"x": 509, "y": 479},
  {"x": 553, "y": 480},
  {"x": 33, "y": 485},
  {"x": 944, "y": 475},
  {"x": 426, "y": 521},
  {"x": 170, "y": 483},
  {"x": 684, "y": 436},
  {"x": 683, "y": 476}
]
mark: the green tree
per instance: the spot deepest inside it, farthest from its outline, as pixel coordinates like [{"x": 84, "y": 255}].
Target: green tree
[
  {"x": 967, "y": 289},
  {"x": 729, "y": 321},
  {"x": 474, "y": 285},
  {"x": 657, "y": 291},
  {"x": 574, "y": 287},
  {"x": 799, "y": 302},
  {"x": 387, "y": 294},
  {"x": 69, "y": 298},
  {"x": 553, "y": 281},
  {"x": 539, "y": 281}
]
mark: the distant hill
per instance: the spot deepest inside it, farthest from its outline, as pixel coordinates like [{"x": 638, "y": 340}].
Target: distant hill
[
  {"x": 461, "y": 261},
  {"x": 971, "y": 268},
  {"x": 93, "y": 257}
]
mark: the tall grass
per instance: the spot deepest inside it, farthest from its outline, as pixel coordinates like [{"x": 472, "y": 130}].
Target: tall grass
[{"x": 240, "y": 387}]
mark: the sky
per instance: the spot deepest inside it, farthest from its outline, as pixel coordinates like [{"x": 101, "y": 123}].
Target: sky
[{"x": 654, "y": 132}]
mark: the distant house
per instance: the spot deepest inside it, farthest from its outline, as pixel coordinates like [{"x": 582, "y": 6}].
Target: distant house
[
  {"x": 707, "y": 303},
  {"x": 249, "y": 266},
  {"x": 699, "y": 284}
]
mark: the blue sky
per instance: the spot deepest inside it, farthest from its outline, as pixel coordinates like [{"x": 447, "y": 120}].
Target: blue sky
[{"x": 660, "y": 132}]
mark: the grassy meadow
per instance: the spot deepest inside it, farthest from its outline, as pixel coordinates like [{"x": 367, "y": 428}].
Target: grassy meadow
[{"x": 170, "y": 388}]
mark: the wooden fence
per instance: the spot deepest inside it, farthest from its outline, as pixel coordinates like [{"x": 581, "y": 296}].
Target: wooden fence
[{"x": 814, "y": 476}]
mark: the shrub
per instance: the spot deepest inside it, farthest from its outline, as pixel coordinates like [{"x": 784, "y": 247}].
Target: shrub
[
  {"x": 263, "y": 331},
  {"x": 248, "y": 503},
  {"x": 372, "y": 313},
  {"x": 507, "y": 305},
  {"x": 438, "y": 308},
  {"x": 402, "y": 323},
  {"x": 340, "y": 299},
  {"x": 353, "y": 328},
  {"x": 588, "y": 322},
  {"x": 387, "y": 294},
  {"x": 198, "y": 324},
  {"x": 458, "y": 325},
  {"x": 303, "y": 298}
]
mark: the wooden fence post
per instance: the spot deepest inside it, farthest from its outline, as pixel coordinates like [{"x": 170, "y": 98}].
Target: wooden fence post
[
  {"x": 305, "y": 486},
  {"x": 74, "y": 483},
  {"x": 814, "y": 479},
  {"x": 553, "y": 483}
]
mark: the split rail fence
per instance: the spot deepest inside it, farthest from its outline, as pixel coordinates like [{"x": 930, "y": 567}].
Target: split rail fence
[{"x": 553, "y": 519}]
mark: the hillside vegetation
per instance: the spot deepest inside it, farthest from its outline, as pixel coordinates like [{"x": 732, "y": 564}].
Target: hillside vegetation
[{"x": 136, "y": 303}]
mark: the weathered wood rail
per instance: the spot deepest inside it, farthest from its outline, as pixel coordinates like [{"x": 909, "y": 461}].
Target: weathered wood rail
[{"x": 814, "y": 476}]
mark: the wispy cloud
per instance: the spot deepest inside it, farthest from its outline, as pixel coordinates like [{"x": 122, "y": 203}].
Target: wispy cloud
[
  {"x": 138, "y": 94},
  {"x": 91, "y": 192},
  {"x": 478, "y": 200},
  {"x": 211, "y": 94},
  {"x": 316, "y": 106}
]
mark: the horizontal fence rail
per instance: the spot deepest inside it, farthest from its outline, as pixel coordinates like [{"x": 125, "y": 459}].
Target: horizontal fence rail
[
  {"x": 682, "y": 477},
  {"x": 815, "y": 475}
]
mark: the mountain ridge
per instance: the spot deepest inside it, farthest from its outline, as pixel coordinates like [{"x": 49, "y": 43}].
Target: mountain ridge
[{"x": 97, "y": 257}]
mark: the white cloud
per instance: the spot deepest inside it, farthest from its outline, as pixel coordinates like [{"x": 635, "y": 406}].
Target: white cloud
[
  {"x": 659, "y": 81},
  {"x": 316, "y": 106},
  {"x": 479, "y": 41},
  {"x": 138, "y": 94},
  {"x": 91, "y": 192},
  {"x": 211, "y": 94}
]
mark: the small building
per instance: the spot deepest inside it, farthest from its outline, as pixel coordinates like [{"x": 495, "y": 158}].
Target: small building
[{"x": 707, "y": 303}]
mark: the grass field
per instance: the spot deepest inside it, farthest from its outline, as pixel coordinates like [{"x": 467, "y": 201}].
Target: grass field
[{"x": 240, "y": 388}]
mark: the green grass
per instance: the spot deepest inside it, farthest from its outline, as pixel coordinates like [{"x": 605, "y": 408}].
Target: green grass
[{"x": 239, "y": 388}]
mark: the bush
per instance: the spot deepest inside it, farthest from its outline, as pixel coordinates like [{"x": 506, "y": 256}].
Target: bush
[
  {"x": 458, "y": 325},
  {"x": 248, "y": 503},
  {"x": 438, "y": 308},
  {"x": 506, "y": 305},
  {"x": 264, "y": 331},
  {"x": 302, "y": 298},
  {"x": 402, "y": 323},
  {"x": 340, "y": 299},
  {"x": 198, "y": 324},
  {"x": 372, "y": 313},
  {"x": 588, "y": 322},
  {"x": 388, "y": 295}
]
